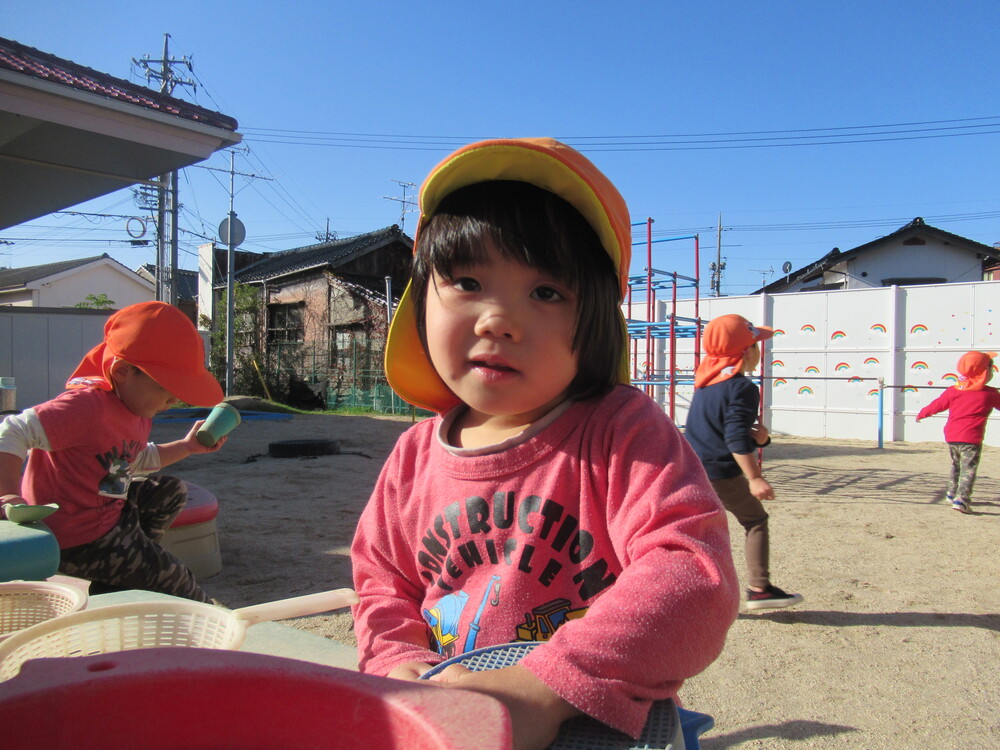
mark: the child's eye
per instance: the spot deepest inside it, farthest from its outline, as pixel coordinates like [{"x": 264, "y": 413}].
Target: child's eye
[
  {"x": 466, "y": 284},
  {"x": 547, "y": 294}
]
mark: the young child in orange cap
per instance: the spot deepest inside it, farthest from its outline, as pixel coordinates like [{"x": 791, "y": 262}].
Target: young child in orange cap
[
  {"x": 90, "y": 452},
  {"x": 969, "y": 404},
  {"x": 549, "y": 501},
  {"x": 722, "y": 428}
]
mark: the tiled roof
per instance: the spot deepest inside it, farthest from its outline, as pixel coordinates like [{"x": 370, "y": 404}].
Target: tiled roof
[
  {"x": 15, "y": 278},
  {"x": 29, "y": 61},
  {"x": 187, "y": 281},
  {"x": 325, "y": 254},
  {"x": 914, "y": 228}
]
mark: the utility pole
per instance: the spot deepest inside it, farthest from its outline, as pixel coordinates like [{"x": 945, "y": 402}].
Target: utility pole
[
  {"x": 167, "y": 203},
  {"x": 716, "y": 268},
  {"x": 232, "y": 232}
]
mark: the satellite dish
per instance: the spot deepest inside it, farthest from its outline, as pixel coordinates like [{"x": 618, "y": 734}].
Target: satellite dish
[{"x": 786, "y": 267}]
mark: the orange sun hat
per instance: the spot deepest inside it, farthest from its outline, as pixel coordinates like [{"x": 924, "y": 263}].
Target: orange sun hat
[
  {"x": 975, "y": 370},
  {"x": 725, "y": 340},
  {"x": 162, "y": 342},
  {"x": 542, "y": 162}
]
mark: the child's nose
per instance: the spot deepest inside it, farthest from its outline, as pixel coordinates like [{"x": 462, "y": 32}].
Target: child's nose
[{"x": 499, "y": 322}]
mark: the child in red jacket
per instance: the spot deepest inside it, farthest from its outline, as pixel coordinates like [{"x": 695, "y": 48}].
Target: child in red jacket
[{"x": 969, "y": 404}]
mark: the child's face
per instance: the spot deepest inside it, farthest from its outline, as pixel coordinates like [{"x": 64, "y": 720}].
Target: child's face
[
  {"x": 500, "y": 335},
  {"x": 751, "y": 358},
  {"x": 140, "y": 393}
]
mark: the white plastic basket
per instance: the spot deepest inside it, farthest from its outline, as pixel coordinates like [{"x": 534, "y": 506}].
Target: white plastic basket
[
  {"x": 123, "y": 627},
  {"x": 27, "y": 603}
]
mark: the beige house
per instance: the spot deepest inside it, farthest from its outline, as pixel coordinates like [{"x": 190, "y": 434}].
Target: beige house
[
  {"x": 68, "y": 284},
  {"x": 914, "y": 254}
]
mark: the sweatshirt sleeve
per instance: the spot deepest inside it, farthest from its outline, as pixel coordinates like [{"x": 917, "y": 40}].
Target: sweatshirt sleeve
[
  {"x": 666, "y": 617},
  {"x": 19, "y": 433},
  {"x": 388, "y": 621},
  {"x": 740, "y": 415},
  {"x": 938, "y": 405}
]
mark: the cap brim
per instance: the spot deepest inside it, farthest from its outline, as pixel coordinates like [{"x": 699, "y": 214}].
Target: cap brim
[
  {"x": 547, "y": 164},
  {"x": 198, "y": 390},
  {"x": 407, "y": 366},
  {"x": 201, "y": 389}
]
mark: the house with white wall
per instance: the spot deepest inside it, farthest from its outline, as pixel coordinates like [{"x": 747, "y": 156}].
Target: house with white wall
[
  {"x": 67, "y": 283},
  {"x": 912, "y": 255}
]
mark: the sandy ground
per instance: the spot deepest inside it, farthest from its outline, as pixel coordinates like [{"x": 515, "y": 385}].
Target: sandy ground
[{"x": 896, "y": 646}]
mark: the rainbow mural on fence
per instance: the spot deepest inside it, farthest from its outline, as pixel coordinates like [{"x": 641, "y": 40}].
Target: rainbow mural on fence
[
  {"x": 918, "y": 328},
  {"x": 779, "y": 332},
  {"x": 805, "y": 391},
  {"x": 909, "y": 389},
  {"x": 779, "y": 381},
  {"x": 841, "y": 366},
  {"x": 812, "y": 370},
  {"x": 807, "y": 328},
  {"x": 873, "y": 392},
  {"x": 872, "y": 362},
  {"x": 919, "y": 365},
  {"x": 877, "y": 328},
  {"x": 950, "y": 377},
  {"x": 854, "y": 379},
  {"x": 777, "y": 363},
  {"x": 837, "y": 335}
]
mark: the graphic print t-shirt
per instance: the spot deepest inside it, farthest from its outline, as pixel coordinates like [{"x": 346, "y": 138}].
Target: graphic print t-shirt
[{"x": 93, "y": 439}]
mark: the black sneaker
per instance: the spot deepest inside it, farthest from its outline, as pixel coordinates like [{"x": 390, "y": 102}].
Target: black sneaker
[{"x": 771, "y": 598}]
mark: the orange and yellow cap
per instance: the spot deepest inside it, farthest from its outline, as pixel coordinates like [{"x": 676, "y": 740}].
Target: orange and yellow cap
[{"x": 542, "y": 162}]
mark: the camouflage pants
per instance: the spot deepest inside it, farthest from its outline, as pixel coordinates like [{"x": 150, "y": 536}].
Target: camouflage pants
[
  {"x": 129, "y": 555},
  {"x": 964, "y": 465}
]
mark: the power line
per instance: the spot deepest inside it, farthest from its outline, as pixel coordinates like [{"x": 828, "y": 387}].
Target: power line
[{"x": 662, "y": 142}]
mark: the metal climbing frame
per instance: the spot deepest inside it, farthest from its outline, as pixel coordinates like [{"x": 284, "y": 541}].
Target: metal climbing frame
[{"x": 670, "y": 329}]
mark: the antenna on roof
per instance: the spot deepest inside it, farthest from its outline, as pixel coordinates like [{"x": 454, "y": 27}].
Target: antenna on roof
[
  {"x": 409, "y": 205},
  {"x": 763, "y": 274}
]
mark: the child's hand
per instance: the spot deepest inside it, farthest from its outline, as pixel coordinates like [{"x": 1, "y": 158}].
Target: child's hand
[
  {"x": 411, "y": 670},
  {"x": 536, "y": 712},
  {"x": 195, "y": 445},
  {"x": 761, "y": 489},
  {"x": 759, "y": 434}
]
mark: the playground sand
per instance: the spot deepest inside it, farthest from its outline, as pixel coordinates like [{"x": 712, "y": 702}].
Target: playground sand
[{"x": 896, "y": 646}]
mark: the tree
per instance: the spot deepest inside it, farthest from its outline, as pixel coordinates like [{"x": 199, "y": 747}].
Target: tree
[{"x": 97, "y": 302}]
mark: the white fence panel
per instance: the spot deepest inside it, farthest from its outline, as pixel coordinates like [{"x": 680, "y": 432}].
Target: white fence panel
[{"x": 832, "y": 349}]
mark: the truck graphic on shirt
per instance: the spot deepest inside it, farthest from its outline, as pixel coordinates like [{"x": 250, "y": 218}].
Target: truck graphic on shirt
[{"x": 544, "y": 620}]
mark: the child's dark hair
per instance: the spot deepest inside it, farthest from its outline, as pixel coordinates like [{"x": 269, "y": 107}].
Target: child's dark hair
[{"x": 538, "y": 228}]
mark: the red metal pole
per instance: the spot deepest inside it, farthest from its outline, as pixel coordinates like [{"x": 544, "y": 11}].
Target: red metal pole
[
  {"x": 673, "y": 348},
  {"x": 649, "y": 302}
]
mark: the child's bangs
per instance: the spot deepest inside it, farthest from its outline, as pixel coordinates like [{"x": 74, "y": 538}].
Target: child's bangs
[{"x": 523, "y": 223}]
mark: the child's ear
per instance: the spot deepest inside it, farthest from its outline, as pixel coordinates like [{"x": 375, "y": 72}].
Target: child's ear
[{"x": 119, "y": 369}]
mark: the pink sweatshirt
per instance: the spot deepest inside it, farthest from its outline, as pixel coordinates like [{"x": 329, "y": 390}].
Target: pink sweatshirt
[
  {"x": 967, "y": 413},
  {"x": 600, "y": 535}
]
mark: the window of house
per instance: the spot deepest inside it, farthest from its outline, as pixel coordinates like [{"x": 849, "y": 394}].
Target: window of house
[
  {"x": 358, "y": 357},
  {"x": 284, "y": 323},
  {"x": 914, "y": 280}
]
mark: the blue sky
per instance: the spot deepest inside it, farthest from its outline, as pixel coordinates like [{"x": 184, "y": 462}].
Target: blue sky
[{"x": 686, "y": 106}]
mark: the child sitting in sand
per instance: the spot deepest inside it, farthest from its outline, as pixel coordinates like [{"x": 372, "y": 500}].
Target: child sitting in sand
[
  {"x": 549, "y": 501},
  {"x": 90, "y": 452}
]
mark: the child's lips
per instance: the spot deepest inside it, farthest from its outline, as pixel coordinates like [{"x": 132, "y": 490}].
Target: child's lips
[{"x": 491, "y": 364}]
